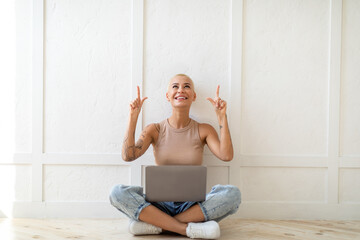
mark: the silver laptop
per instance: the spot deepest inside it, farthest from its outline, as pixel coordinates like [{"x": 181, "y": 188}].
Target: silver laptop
[{"x": 175, "y": 183}]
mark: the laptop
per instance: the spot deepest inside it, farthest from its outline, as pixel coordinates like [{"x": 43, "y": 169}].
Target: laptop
[{"x": 175, "y": 183}]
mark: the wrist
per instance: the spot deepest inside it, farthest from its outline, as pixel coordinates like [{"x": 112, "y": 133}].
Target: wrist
[
  {"x": 221, "y": 118},
  {"x": 133, "y": 121},
  {"x": 134, "y": 116}
]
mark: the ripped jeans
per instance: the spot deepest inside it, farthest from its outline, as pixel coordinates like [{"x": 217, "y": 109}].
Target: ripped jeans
[{"x": 220, "y": 202}]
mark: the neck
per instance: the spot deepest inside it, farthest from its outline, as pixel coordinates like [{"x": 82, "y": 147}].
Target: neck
[{"x": 179, "y": 118}]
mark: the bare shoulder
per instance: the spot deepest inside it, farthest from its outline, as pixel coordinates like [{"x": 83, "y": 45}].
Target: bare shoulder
[
  {"x": 205, "y": 126},
  {"x": 205, "y": 130},
  {"x": 152, "y": 130}
]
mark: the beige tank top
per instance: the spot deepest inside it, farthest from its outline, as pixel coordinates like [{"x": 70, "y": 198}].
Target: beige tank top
[{"x": 179, "y": 146}]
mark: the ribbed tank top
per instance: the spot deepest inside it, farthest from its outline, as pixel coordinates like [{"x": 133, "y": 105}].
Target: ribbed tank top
[{"x": 179, "y": 146}]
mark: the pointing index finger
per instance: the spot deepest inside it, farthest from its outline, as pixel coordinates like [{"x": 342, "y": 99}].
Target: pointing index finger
[
  {"x": 217, "y": 91},
  {"x": 138, "y": 92}
]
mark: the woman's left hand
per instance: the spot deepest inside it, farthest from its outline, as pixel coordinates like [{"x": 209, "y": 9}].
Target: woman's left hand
[{"x": 218, "y": 103}]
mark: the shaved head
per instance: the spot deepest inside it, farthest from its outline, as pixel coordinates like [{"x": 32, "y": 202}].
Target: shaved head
[{"x": 182, "y": 76}]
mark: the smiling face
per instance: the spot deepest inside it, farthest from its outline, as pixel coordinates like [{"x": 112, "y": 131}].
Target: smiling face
[{"x": 181, "y": 92}]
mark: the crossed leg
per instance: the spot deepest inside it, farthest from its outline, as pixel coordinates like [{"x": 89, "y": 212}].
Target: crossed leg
[
  {"x": 130, "y": 199},
  {"x": 177, "y": 224}
]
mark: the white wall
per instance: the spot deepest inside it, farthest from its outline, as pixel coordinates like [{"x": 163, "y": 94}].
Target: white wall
[{"x": 289, "y": 70}]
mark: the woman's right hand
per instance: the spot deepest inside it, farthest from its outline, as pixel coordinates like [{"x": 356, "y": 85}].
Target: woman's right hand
[{"x": 135, "y": 106}]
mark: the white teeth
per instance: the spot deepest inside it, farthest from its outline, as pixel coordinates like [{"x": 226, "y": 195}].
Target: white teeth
[{"x": 181, "y": 98}]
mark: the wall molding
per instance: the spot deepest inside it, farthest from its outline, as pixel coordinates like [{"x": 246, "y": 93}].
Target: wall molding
[
  {"x": 334, "y": 99},
  {"x": 293, "y": 211},
  {"x": 235, "y": 82},
  {"x": 349, "y": 163},
  {"x": 37, "y": 99}
]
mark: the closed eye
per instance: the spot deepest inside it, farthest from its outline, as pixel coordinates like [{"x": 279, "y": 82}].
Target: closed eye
[{"x": 177, "y": 86}]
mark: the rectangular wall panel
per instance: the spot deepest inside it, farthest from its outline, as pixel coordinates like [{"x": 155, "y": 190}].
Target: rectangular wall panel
[
  {"x": 23, "y": 101},
  {"x": 87, "y": 75},
  {"x": 350, "y": 84},
  {"x": 82, "y": 183},
  {"x": 181, "y": 38},
  {"x": 285, "y": 78},
  {"x": 349, "y": 185},
  {"x": 264, "y": 184}
]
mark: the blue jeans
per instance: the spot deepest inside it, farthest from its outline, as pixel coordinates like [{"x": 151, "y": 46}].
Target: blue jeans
[{"x": 220, "y": 202}]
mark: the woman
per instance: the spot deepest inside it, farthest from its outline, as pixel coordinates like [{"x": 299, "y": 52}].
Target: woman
[{"x": 178, "y": 140}]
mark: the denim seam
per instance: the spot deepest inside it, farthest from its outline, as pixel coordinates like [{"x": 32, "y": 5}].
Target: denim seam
[
  {"x": 204, "y": 211},
  {"x": 217, "y": 207},
  {"x": 133, "y": 197},
  {"x": 140, "y": 208}
]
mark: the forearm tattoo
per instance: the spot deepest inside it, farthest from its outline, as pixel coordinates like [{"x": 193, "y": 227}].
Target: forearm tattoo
[
  {"x": 139, "y": 144},
  {"x": 221, "y": 126},
  {"x": 130, "y": 151},
  {"x": 157, "y": 127}
]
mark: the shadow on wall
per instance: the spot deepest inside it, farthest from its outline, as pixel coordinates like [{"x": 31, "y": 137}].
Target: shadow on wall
[
  {"x": 8, "y": 170},
  {"x": 7, "y": 186}
]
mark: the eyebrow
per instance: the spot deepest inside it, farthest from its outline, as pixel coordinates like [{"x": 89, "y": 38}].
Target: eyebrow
[{"x": 178, "y": 84}]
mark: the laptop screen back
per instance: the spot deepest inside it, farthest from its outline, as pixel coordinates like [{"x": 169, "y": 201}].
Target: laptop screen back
[{"x": 175, "y": 183}]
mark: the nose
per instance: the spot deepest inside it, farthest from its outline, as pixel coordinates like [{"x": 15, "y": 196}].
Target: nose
[{"x": 180, "y": 89}]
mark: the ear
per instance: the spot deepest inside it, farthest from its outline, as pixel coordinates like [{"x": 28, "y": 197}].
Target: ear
[
  {"x": 194, "y": 97},
  {"x": 167, "y": 97}
]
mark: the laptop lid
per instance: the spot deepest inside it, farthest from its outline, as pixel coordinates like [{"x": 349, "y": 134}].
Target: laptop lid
[{"x": 175, "y": 183}]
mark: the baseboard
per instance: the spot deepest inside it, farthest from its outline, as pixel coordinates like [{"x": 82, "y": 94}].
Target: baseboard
[
  {"x": 247, "y": 210},
  {"x": 298, "y": 211}
]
